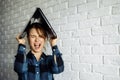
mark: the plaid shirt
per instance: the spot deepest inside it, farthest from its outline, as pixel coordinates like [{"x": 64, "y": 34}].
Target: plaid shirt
[{"x": 28, "y": 68}]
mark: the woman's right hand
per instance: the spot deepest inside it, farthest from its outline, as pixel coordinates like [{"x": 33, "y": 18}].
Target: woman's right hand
[{"x": 20, "y": 41}]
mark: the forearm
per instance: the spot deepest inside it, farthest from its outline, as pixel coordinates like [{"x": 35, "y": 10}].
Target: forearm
[
  {"x": 58, "y": 64},
  {"x": 20, "y": 64}
]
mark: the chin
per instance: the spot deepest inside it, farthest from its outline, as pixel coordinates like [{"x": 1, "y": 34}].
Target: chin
[{"x": 38, "y": 50}]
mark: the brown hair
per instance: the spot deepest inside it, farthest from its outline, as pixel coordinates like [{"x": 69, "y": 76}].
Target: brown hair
[{"x": 38, "y": 27}]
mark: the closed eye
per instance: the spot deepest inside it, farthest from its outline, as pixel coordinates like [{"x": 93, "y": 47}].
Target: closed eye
[
  {"x": 41, "y": 36},
  {"x": 32, "y": 36}
]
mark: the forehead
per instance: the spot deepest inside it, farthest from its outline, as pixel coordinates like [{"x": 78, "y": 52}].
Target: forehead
[{"x": 36, "y": 31}]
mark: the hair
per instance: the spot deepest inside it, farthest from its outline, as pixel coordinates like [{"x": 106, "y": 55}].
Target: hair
[{"x": 38, "y": 27}]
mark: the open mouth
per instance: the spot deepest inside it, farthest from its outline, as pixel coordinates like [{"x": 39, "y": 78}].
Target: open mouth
[{"x": 37, "y": 46}]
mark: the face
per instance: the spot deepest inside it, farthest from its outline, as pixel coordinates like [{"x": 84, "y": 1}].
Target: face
[{"x": 36, "y": 40}]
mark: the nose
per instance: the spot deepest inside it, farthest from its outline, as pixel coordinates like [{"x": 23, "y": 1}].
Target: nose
[{"x": 37, "y": 39}]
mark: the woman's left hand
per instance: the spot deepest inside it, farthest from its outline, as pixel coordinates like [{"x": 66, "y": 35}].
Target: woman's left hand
[{"x": 53, "y": 42}]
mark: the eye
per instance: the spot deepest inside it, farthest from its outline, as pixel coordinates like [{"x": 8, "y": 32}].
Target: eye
[
  {"x": 41, "y": 36},
  {"x": 32, "y": 36}
]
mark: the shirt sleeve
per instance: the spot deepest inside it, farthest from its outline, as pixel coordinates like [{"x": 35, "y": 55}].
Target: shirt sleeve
[
  {"x": 20, "y": 63},
  {"x": 57, "y": 61}
]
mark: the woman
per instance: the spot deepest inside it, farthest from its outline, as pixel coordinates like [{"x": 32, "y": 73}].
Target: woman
[{"x": 36, "y": 65}]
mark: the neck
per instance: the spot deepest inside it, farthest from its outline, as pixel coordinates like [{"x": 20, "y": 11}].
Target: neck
[{"x": 37, "y": 55}]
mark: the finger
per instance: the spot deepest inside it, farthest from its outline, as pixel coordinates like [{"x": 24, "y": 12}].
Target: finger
[{"x": 17, "y": 37}]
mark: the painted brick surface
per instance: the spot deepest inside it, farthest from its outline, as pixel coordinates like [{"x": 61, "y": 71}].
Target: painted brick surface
[{"x": 88, "y": 31}]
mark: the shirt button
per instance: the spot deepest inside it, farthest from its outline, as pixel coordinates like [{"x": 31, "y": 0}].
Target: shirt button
[
  {"x": 36, "y": 64},
  {"x": 53, "y": 49},
  {"x": 41, "y": 58},
  {"x": 37, "y": 72}
]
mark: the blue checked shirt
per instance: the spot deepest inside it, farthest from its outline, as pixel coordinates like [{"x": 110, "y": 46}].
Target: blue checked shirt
[{"x": 28, "y": 68}]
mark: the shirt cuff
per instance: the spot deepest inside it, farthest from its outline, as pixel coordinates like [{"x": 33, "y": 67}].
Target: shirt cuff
[
  {"x": 56, "y": 50},
  {"x": 54, "y": 47},
  {"x": 21, "y": 49}
]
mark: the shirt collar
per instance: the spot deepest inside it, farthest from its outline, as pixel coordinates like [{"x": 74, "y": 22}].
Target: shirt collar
[{"x": 31, "y": 55}]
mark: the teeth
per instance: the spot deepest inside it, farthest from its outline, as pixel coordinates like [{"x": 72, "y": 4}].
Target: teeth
[{"x": 37, "y": 46}]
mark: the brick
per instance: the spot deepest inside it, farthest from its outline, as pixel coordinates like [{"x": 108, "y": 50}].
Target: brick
[
  {"x": 108, "y": 2},
  {"x": 74, "y": 59},
  {"x": 89, "y": 40},
  {"x": 67, "y": 75},
  {"x": 105, "y": 30},
  {"x": 108, "y": 20},
  {"x": 87, "y": 7},
  {"x": 67, "y": 66},
  {"x": 89, "y": 1},
  {"x": 44, "y": 5},
  {"x": 44, "y": 1},
  {"x": 81, "y": 50},
  {"x": 51, "y": 3},
  {"x": 112, "y": 39},
  {"x": 81, "y": 67},
  {"x": 99, "y": 12},
  {"x": 75, "y": 2},
  {"x": 18, "y": 4},
  {"x": 69, "y": 26},
  {"x": 56, "y": 77},
  {"x": 33, "y": 4},
  {"x": 68, "y": 12},
  {"x": 53, "y": 16},
  {"x": 62, "y": 1},
  {"x": 82, "y": 33},
  {"x": 90, "y": 76},
  {"x": 66, "y": 50},
  {"x": 71, "y": 58},
  {"x": 16, "y": 1},
  {"x": 112, "y": 60},
  {"x": 16, "y": 10},
  {"x": 29, "y": 12},
  {"x": 61, "y": 21},
  {"x": 24, "y": 7},
  {"x": 111, "y": 77},
  {"x": 91, "y": 59},
  {"x": 116, "y": 9},
  {"x": 56, "y": 28},
  {"x": 65, "y": 34},
  {"x": 60, "y": 7},
  {"x": 89, "y": 23},
  {"x": 48, "y": 11},
  {"x": 106, "y": 69},
  {"x": 70, "y": 42},
  {"x": 77, "y": 17},
  {"x": 105, "y": 50}
]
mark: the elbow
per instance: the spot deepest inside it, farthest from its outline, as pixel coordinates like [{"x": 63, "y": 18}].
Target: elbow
[
  {"x": 58, "y": 70},
  {"x": 61, "y": 69},
  {"x": 20, "y": 68}
]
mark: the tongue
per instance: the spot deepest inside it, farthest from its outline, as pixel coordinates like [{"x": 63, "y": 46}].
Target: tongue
[{"x": 37, "y": 46}]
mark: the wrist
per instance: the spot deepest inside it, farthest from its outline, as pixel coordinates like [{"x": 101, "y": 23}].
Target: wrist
[
  {"x": 52, "y": 45},
  {"x": 21, "y": 42},
  {"x": 23, "y": 45},
  {"x": 53, "y": 42}
]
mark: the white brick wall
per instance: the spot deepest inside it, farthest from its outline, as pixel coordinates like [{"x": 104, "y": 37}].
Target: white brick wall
[{"x": 88, "y": 31}]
